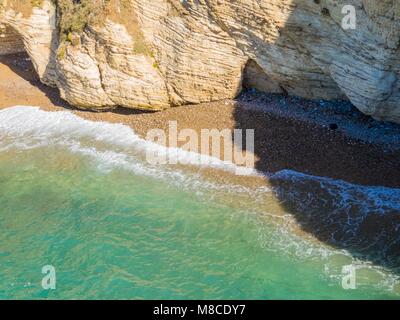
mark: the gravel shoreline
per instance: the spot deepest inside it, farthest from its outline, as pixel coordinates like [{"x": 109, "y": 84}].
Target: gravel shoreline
[{"x": 330, "y": 139}]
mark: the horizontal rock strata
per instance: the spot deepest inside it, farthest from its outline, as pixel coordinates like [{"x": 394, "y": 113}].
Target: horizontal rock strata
[{"x": 161, "y": 53}]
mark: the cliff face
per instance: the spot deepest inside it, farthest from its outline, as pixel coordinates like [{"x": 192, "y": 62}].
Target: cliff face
[{"x": 160, "y": 53}]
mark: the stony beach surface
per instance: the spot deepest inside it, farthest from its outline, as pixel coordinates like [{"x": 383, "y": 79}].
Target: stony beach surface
[{"x": 323, "y": 138}]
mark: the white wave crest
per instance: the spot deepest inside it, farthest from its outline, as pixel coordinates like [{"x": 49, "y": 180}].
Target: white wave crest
[{"x": 110, "y": 144}]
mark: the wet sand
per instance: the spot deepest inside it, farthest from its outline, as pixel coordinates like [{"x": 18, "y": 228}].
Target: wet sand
[
  {"x": 284, "y": 139},
  {"x": 281, "y": 141}
]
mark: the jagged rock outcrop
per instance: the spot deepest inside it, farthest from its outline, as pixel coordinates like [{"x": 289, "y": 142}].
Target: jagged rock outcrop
[
  {"x": 160, "y": 53},
  {"x": 35, "y": 30}
]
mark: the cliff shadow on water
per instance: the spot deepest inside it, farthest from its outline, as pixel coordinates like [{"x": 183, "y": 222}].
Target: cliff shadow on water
[{"x": 342, "y": 190}]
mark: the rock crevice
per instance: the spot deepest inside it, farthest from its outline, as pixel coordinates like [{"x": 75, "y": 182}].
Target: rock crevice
[{"x": 157, "y": 54}]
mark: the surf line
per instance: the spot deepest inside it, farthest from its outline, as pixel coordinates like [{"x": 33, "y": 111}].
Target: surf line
[{"x": 204, "y": 148}]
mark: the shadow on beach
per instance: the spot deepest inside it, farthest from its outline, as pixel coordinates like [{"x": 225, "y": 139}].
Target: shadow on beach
[
  {"x": 342, "y": 191},
  {"x": 321, "y": 176},
  {"x": 21, "y": 65},
  {"x": 339, "y": 209}
]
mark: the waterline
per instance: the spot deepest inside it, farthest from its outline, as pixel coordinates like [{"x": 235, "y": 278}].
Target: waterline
[{"x": 76, "y": 197}]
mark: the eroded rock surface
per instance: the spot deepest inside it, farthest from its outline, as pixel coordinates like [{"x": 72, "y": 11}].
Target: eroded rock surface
[{"x": 160, "y": 53}]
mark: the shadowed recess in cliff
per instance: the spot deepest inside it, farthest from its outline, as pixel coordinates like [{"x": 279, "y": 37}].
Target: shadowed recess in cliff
[
  {"x": 20, "y": 63},
  {"x": 291, "y": 58},
  {"x": 184, "y": 52},
  {"x": 305, "y": 48},
  {"x": 28, "y": 41},
  {"x": 32, "y": 29},
  {"x": 326, "y": 183}
]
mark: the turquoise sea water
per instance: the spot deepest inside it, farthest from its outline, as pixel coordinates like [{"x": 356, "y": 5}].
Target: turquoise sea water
[{"x": 78, "y": 195}]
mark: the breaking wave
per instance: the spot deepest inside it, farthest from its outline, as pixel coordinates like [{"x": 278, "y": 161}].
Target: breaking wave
[
  {"x": 362, "y": 221},
  {"x": 111, "y": 145}
]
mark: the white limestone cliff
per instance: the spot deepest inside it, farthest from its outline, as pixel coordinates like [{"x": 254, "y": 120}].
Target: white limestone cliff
[{"x": 160, "y": 53}]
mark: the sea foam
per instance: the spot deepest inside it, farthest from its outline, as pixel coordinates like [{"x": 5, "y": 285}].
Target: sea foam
[
  {"x": 362, "y": 219},
  {"x": 323, "y": 205},
  {"x": 40, "y": 126},
  {"x": 112, "y": 145}
]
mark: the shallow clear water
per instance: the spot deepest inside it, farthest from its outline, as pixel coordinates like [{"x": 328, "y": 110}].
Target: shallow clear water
[{"x": 115, "y": 227}]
